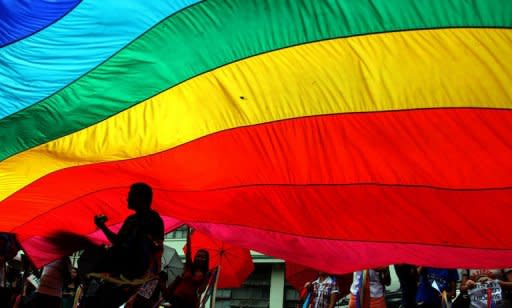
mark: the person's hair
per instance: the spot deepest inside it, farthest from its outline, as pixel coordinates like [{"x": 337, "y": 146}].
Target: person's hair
[
  {"x": 76, "y": 281},
  {"x": 205, "y": 266},
  {"x": 144, "y": 191}
]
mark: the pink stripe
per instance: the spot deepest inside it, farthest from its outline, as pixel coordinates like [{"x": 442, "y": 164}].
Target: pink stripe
[
  {"x": 340, "y": 256},
  {"x": 334, "y": 256}
]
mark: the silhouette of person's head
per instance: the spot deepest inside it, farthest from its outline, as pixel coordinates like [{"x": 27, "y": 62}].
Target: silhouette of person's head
[
  {"x": 202, "y": 260},
  {"x": 140, "y": 197}
]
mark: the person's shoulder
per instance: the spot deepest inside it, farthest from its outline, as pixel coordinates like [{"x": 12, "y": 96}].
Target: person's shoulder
[
  {"x": 129, "y": 222},
  {"x": 131, "y": 217},
  {"x": 154, "y": 215}
]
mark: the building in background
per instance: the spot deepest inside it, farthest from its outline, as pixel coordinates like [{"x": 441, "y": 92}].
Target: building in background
[{"x": 266, "y": 286}]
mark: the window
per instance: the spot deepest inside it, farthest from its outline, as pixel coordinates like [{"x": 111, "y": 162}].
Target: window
[
  {"x": 180, "y": 233},
  {"x": 254, "y": 293},
  {"x": 291, "y": 297}
]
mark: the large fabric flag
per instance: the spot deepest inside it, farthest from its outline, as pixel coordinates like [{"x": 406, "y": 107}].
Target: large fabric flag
[{"x": 338, "y": 134}]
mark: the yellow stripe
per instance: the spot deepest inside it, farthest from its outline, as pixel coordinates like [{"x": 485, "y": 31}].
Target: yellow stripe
[{"x": 403, "y": 70}]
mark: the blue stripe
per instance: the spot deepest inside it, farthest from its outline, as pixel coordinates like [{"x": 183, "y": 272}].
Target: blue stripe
[
  {"x": 38, "y": 66},
  {"x": 19, "y": 19}
]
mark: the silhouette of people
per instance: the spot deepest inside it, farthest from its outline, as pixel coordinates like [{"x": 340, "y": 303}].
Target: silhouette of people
[
  {"x": 69, "y": 290},
  {"x": 149, "y": 294},
  {"x": 408, "y": 276},
  {"x": 139, "y": 243},
  {"x": 185, "y": 291},
  {"x": 136, "y": 251},
  {"x": 8, "y": 250}
]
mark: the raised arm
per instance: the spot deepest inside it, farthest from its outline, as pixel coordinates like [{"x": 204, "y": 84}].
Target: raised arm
[
  {"x": 466, "y": 282},
  {"x": 100, "y": 221},
  {"x": 188, "y": 253}
]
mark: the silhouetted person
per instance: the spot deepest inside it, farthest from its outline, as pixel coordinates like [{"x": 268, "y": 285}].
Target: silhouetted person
[
  {"x": 136, "y": 249},
  {"x": 408, "y": 276},
  {"x": 186, "y": 290},
  {"x": 8, "y": 250},
  {"x": 70, "y": 289},
  {"x": 138, "y": 243}
]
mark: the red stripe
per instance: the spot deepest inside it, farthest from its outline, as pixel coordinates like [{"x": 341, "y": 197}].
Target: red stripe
[
  {"x": 359, "y": 213},
  {"x": 306, "y": 177}
]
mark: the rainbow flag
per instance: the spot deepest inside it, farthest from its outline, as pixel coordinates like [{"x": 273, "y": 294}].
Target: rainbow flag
[{"x": 330, "y": 127}]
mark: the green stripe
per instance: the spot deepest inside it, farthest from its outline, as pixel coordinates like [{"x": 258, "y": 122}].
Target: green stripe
[{"x": 218, "y": 32}]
